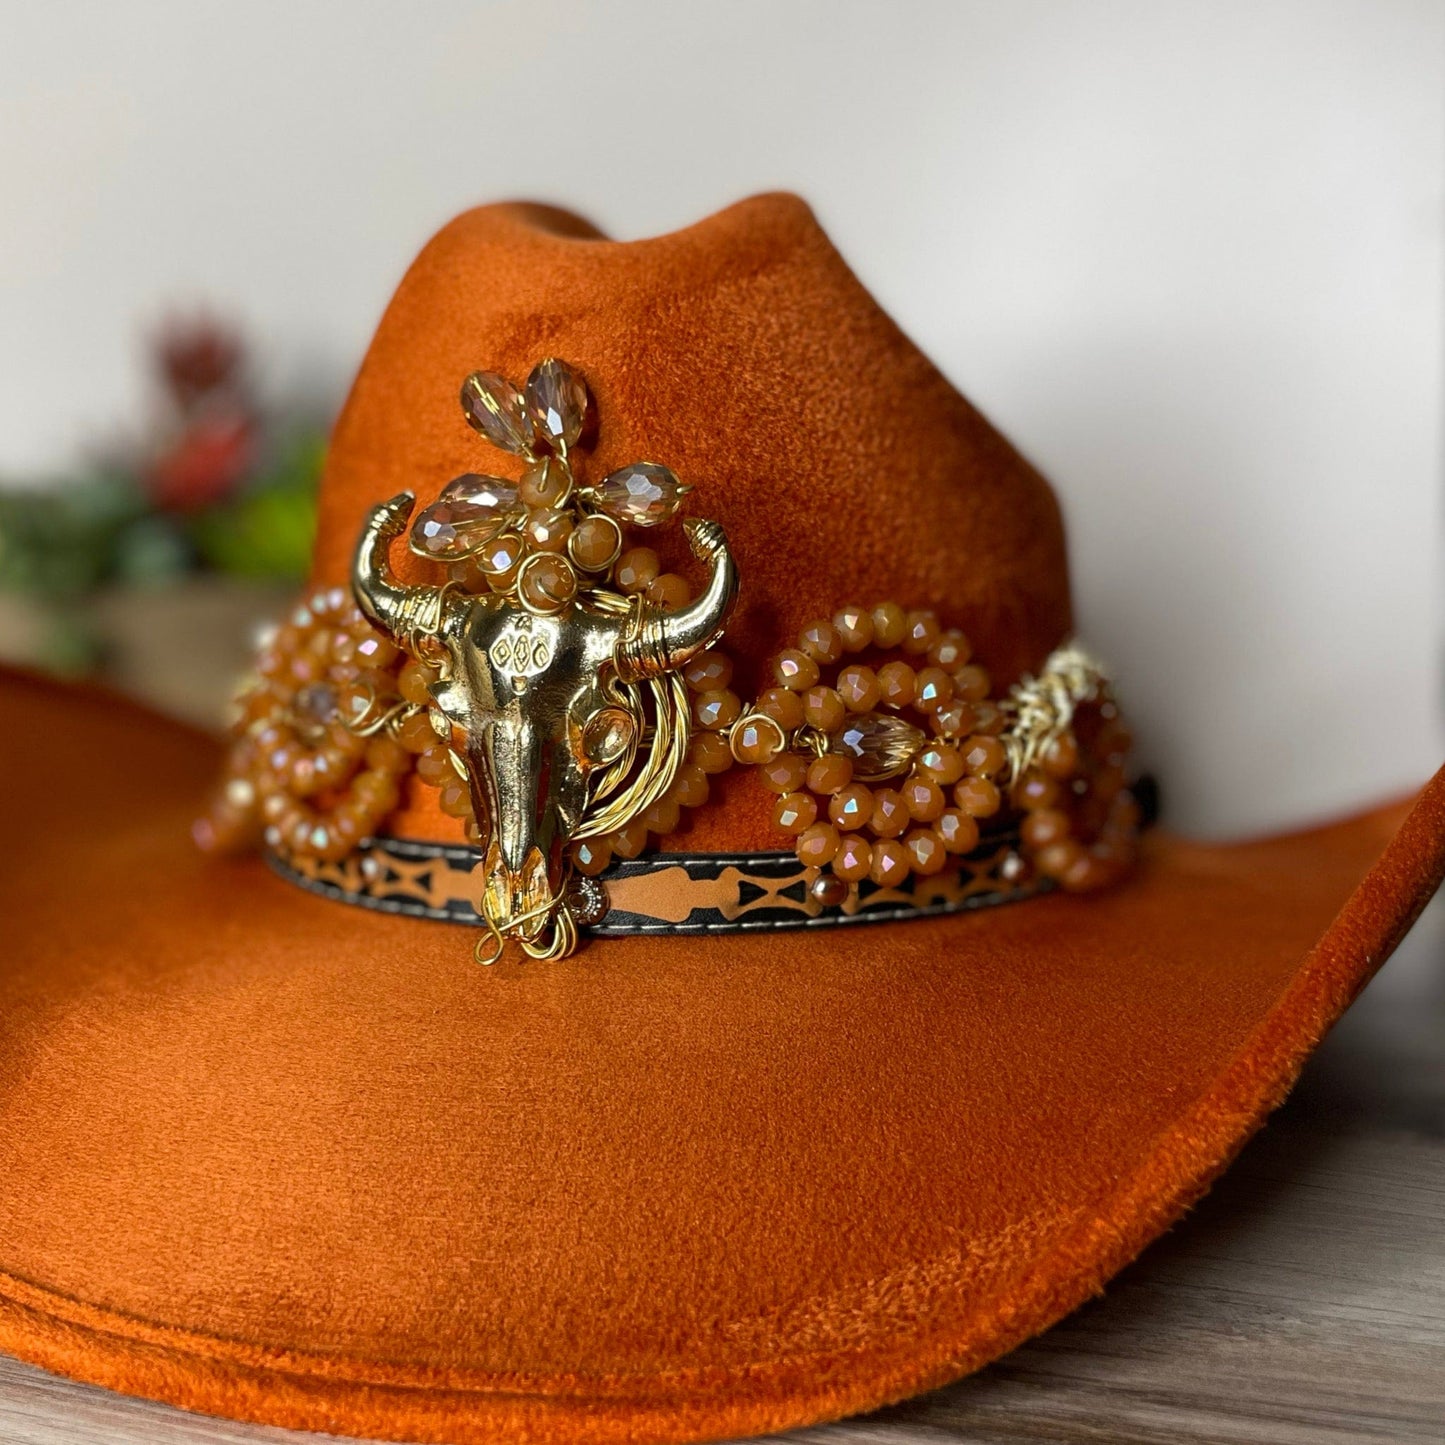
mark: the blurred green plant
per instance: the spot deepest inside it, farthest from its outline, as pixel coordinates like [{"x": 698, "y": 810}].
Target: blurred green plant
[{"x": 223, "y": 488}]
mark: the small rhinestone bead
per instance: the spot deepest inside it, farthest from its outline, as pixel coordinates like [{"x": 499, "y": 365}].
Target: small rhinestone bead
[
  {"x": 823, "y": 708},
  {"x": 820, "y": 640},
  {"x": 795, "y": 812},
  {"x": 853, "y": 859},
  {"x": 817, "y": 845},
  {"x": 858, "y": 687},
  {"x": 795, "y": 670},
  {"x": 855, "y": 627},
  {"x": 891, "y": 863},
  {"x": 826, "y": 775}
]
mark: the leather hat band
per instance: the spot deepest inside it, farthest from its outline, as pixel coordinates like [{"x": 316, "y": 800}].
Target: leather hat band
[{"x": 667, "y": 893}]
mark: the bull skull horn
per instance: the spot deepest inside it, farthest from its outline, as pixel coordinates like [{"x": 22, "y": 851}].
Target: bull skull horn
[
  {"x": 658, "y": 642},
  {"x": 397, "y": 610}
]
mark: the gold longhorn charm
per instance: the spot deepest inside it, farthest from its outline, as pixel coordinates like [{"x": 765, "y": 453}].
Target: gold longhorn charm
[{"x": 559, "y": 694}]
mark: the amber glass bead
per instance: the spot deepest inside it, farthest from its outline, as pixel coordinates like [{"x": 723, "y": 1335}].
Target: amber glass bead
[
  {"x": 817, "y": 845},
  {"x": 923, "y": 799},
  {"x": 920, "y": 631},
  {"x": 547, "y": 582},
  {"x": 932, "y": 688},
  {"x": 786, "y": 773},
  {"x": 547, "y": 529},
  {"x": 978, "y": 797},
  {"x": 942, "y": 762},
  {"x": 544, "y": 484},
  {"x": 500, "y": 557},
  {"x": 926, "y": 851},
  {"x": 755, "y": 740},
  {"x": 376, "y": 651},
  {"x": 858, "y": 688},
  {"x": 826, "y": 775},
  {"x": 455, "y": 798},
  {"x": 594, "y": 543},
  {"x": 690, "y": 787},
  {"x": 971, "y": 683},
  {"x": 1034, "y": 790},
  {"x": 853, "y": 859},
  {"x": 1088, "y": 872},
  {"x": 434, "y": 766},
  {"x": 890, "y": 813},
  {"x": 710, "y": 752},
  {"x": 954, "y": 719},
  {"x": 663, "y": 816},
  {"x": 794, "y": 812},
  {"x": 795, "y": 670},
  {"x": 629, "y": 841},
  {"x": 669, "y": 591},
  {"x": 984, "y": 756},
  {"x": 891, "y": 863},
  {"x": 416, "y": 733},
  {"x": 386, "y": 755},
  {"x": 989, "y": 718},
  {"x": 1046, "y": 826},
  {"x": 820, "y": 640},
  {"x": 783, "y": 706},
  {"x": 1056, "y": 860},
  {"x": 591, "y": 856},
  {"x": 855, "y": 627},
  {"x": 708, "y": 671},
  {"x": 896, "y": 683},
  {"x": 823, "y": 708},
  {"x": 636, "y": 567},
  {"x": 950, "y": 650},
  {"x": 890, "y": 624},
  {"x": 957, "y": 831},
  {"x": 1060, "y": 759},
  {"x": 413, "y": 683},
  {"x": 716, "y": 709},
  {"x": 850, "y": 808},
  {"x": 828, "y": 890}
]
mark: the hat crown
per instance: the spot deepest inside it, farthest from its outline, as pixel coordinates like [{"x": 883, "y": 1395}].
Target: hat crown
[{"x": 745, "y": 355}]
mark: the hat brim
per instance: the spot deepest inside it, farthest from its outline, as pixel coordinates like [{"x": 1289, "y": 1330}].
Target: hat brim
[{"x": 279, "y": 1159}]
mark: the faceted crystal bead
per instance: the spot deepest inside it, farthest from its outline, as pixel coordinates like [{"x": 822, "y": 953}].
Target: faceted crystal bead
[
  {"x": 496, "y": 409},
  {"x": 643, "y": 494},
  {"x": 557, "y": 400},
  {"x": 880, "y": 746},
  {"x": 470, "y": 511}
]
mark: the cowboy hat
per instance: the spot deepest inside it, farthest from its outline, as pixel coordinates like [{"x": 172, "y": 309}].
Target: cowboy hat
[{"x": 767, "y": 1142}]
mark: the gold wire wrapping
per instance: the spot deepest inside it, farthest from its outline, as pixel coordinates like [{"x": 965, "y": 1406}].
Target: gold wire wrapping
[{"x": 1042, "y": 707}]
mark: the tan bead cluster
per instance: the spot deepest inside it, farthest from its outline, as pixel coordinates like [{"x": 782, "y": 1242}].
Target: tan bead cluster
[
  {"x": 307, "y": 770},
  {"x": 541, "y": 539},
  {"x": 327, "y": 731},
  {"x": 888, "y": 755}
]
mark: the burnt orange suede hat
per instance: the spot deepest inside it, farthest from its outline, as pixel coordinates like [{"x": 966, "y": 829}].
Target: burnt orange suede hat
[{"x": 275, "y": 1156}]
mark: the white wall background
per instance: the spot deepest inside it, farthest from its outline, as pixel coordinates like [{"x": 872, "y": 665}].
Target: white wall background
[{"x": 1189, "y": 256}]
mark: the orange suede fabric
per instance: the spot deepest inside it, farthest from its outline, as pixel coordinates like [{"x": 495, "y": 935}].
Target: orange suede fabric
[
  {"x": 277, "y": 1158},
  {"x": 743, "y": 353},
  {"x": 282, "y": 1159}
]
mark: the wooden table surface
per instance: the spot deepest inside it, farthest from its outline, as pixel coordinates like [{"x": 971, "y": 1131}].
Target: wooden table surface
[{"x": 1302, "y": 1303}]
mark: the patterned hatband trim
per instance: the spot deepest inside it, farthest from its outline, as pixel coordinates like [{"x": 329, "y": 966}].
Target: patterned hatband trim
[{"x": 667, "y": 893}]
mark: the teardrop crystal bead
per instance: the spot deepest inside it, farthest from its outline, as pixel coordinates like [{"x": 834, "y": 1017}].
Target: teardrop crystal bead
[
  {"x": 470, "y": 511},
  {"x": 557, "y": 401},
  {"x": 643, "y": 494},
  {"x": 881, "y": 746},
  {"x": 497, "y": 409}
]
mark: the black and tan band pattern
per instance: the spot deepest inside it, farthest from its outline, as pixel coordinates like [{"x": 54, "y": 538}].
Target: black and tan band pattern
[{"x": 665, "y": 893}]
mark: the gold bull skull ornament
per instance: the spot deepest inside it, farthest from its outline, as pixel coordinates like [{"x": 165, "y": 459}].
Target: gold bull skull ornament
[{"x": 559, "y": 694}]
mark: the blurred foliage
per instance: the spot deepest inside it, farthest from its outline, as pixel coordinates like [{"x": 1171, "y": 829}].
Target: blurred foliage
[{"x": 223, "y": 486}]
